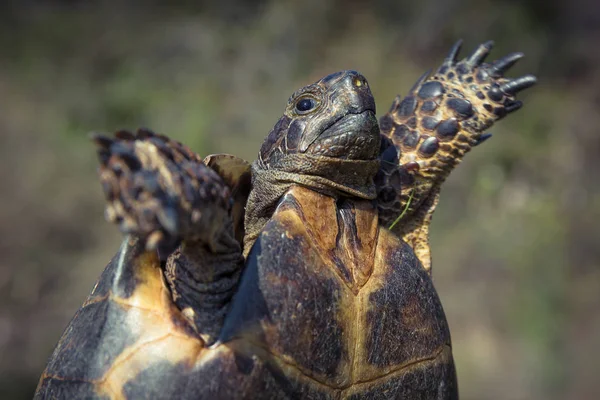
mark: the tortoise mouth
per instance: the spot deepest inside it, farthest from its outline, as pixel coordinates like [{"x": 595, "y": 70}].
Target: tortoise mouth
[{"x": 354, "y": 136}]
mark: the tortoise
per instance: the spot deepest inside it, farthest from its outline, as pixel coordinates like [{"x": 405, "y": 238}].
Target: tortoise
[{"x": 306, "y": 274}]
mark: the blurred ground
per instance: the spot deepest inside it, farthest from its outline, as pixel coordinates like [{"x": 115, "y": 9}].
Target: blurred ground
[{"x": 515, "y": 240}]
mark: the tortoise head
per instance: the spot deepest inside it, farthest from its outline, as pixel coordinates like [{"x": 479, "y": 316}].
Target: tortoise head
[{"x": 334, "y": 117}]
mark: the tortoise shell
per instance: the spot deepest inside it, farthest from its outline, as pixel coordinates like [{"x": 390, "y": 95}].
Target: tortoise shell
[
  {"x": 306, "y": 275},
  {"x": 371, "y": 326}
]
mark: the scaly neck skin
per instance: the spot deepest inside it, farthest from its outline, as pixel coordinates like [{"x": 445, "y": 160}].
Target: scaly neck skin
[
  {"x": 203, "y": 281},
  {"x": 330, "y": 176}
]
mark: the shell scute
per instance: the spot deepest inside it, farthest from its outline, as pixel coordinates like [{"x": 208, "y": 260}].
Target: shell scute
[
  {"x": 402, "y": 307},
  {"x": 284, "y": 306}
]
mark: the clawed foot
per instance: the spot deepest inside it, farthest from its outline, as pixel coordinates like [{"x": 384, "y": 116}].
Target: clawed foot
[
  {"x": 481, "y": 84},
  {"x": 159, "y": 189},
  {"x": 427, "y": 133}
]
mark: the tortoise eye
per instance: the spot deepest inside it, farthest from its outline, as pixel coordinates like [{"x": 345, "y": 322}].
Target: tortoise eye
[{"x": 305, "y": 104}]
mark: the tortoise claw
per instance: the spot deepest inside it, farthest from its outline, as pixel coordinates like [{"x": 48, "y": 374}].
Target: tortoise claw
[
  {"x": 420, "y": 81},
  {"x": 453, "y": 54},
  {"x": 124, "y": 134},
  {"x": 101, "y": 140},
  {"x": 499, "y": 67},
  {"x": 143, "y": 133},
  {"x": 482, "y": 138},
  {"x": 480, "y": 54},
  {"x": 514, "y": 106},
  {"x": 516, "y": 85}
]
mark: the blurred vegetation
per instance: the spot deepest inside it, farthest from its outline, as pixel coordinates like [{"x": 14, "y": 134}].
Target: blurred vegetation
[{"x": 515, "y": 240}]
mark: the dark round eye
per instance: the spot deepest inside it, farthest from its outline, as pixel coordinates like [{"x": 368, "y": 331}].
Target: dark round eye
[{"x": 305, "y": 105}]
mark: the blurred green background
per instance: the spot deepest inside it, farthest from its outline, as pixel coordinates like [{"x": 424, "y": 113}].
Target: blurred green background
[{"x": 515, "y": 239}]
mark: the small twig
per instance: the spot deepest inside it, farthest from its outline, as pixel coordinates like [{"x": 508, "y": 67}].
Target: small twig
[{"x": 410, "y": 197}]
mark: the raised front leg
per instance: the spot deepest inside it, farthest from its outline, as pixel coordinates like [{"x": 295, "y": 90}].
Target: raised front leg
[
  {"x": 426, "y": 134},
  {"x": 161, "y": 192}
]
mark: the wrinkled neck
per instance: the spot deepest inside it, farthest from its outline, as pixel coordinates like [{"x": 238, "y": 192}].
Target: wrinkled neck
[{"x": 331, "y": 176}]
